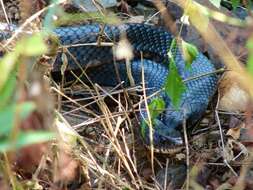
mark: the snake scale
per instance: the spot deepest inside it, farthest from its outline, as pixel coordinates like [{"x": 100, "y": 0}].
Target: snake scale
[{"x": 154, "y": 41}]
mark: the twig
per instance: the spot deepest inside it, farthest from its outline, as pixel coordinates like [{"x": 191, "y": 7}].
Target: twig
[
  {"x": 222, "y": 139},
  {"x": 187, "y": 153},
  {"x": 149, "y": 117},
  {"x": 113, "y": 139},
  {"x": 157, "y": 13},
  {"x": 231, "y": 113},
  {"x": 166, "y": 174},
  {"x": 103, "y": 44},
  {"x": 221, "y": 70},
  {"x": 129, "y": 72},
  {"x": 5, "y": 14},
  {"x": 73, "y": 101}
]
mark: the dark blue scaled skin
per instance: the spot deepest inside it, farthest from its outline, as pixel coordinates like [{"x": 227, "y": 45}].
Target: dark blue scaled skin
[{"x": 154, "y": 41}]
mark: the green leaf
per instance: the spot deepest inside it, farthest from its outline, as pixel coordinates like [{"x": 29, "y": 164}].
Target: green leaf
[
  {"x": 32, "y": 46},
  {"x": 235, "y": 3},
  {"x": 6, "y": 93},
  {"x": 24, "y": 139},
  {"x": 249, "y": 45},
  {"x": 7, "y": 64},
  {"x": 174, "y": 85},
  {"x": 190, "y": 53},
  {"x": 7, "y": 115},
  {"x": 156, "y": 107},
  {"x": 125, "y": 188},
  {"x": 216, "y": 3},
  {"x": 250, "y": 64},
  {"x": 144, "y": 126}
]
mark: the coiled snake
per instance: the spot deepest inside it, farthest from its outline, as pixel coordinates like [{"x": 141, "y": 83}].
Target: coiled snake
[
  {"x": 154, "y": 41},
  {"x": 151, "y": 40}
]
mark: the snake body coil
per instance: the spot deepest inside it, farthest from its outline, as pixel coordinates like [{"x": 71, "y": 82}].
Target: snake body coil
[
  {"x": 150, "y": 40},
  {"x": 83, "y": 51}
]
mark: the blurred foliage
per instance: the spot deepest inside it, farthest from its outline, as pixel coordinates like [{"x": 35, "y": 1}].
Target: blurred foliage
[
  {"x": 54, "y": 10},
  {"x": 81, "y": 17},
  {"x": 7, "y": 115},
  {"x": 216, "y": 3},
  {"x": 235, "y": 3},
  {"x": 12, "y": 110},
  {"x": 10, "y": 61},
  {"x": 250, "y": 57},
  {"x": 57, "y": 17}
]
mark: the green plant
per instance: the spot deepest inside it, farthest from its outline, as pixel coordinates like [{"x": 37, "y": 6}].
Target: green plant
[{"x": 13, "y": 110}]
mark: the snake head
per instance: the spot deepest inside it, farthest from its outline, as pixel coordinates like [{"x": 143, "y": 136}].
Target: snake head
[{"x": 164, "y": 137}]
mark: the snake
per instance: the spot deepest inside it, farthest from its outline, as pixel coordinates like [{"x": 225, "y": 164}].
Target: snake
[
  {"x": 154, "y": 42},
  {"x": 83, "y": 47}
]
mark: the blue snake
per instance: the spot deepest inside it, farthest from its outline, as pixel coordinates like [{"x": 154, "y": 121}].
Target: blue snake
[
  {"x": 154, "y": 41},
  {"x": 83, "y": 51}
]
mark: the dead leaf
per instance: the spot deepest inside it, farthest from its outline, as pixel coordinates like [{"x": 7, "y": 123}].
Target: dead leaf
[
  {"x": 233, "y": 97},
  {"x": 28, "y": 158},
  {"x": 67, "y": 168},
  {"x": 235, "y": 126}
]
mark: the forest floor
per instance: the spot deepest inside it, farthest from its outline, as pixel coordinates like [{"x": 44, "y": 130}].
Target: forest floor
[{"x": 97, "y": 143}]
